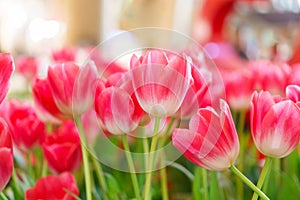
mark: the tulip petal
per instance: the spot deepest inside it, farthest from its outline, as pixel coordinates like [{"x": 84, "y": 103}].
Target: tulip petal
[
  {"x": 6, "y": 166},
  {"x": 6, "y": 70},
  {"x": 293, "y": 93}
]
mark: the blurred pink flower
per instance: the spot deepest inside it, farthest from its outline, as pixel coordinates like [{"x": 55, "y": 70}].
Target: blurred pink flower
[
  {"x": 65, "y": 54},
  {"x": 27, "y": 66}
]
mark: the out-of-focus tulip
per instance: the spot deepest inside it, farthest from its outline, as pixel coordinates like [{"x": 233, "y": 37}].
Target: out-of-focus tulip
[
  {"x": 160, "y": 81},
  {"x": 294, "y": 78},
  {"x": 62, "y": 148},
  {"x": 27, "y": 66},
  {"x": 26, "y": 129},
  {"x": 270, "y": 77},
  {"x": 54, "y": 187},
  {"x": 211, "y": 140},
  {"x": 6, "y": 70},
  {"x": 274, "y": 124},
  {"x": 293, "y": 93},
  {"x": 6, "y": 155},
  {"x": 65, "y": 54}
]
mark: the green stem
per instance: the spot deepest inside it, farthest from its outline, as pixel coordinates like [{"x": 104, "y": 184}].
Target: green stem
[
  {"x": 197, "y": 184},
  {"x": 2, "y": 195},
  {"x": 248, "y": 182},
  {"x": 164, "y": 180},
  {"x": 87, "y": 175},
  {"x": 166, "y": 134},
  {"x": 44, "y": 168},
  {"x": 147, "y": 193},
  {"x": 240, "y": 163},
  {"x": 204, "y": 183},
  {"x": 100, "y": 174},
  {"x": 264, "y": 173},
  {"x": 131, "y": 168},
  {"x": 16, "y": 182}
]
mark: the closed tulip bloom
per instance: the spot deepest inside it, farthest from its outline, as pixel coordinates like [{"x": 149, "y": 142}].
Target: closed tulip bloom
[
  {"x": 160, "y": 81},
  {"x": 293, "y": 93},
  {"x": 54, "y": 187},
  {"x": 6, "y": 155},
  {"x": 26, "y": 129},
  {"x": 274, "y": 124},
  {"x": 6, "y": 70},
  {"x": 117, "y": 109},
  {"x": 27, "y": 66},
  {"x": 72, "y": 87},
  {"x": 211, "y": 140},
  {"x": 62, "y": 148}
]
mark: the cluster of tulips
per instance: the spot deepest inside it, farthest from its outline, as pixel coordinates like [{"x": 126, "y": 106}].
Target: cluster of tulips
[{"x": 49, "y": 137}]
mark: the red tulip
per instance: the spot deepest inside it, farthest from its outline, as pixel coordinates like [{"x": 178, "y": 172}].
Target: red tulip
[
  {"x": 54, "y": 187},
  {"x": 26, "y": 129},
  {"x": 274, "y": 124},
  {"x": 211, "y": 140},
  {"x": 117, "y": 108},
  {"x": 6, "y": 155},
  {"x": 27, "y": 66},
  {"x": 72, "y": 87},
  {"x": 62, "y": 148},
  {"x": 6, "y": 70},
  {"x": 295, "y": 75},
  {"x": 160, "y": 81},
  {"x": 44, "y": 102}
]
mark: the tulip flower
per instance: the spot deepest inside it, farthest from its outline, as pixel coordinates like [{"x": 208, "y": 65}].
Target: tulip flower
[
  {"x": 54, "y": 187},
  {"x": 26, "y": 129},
  {"x": 6, "y": 70},
  {"x": 274, "y": 124},
  {"x": 117, "y": 109},
  {"x": 211, "y": 140},
  {"x": 72, "y": 87},
  {"x": 6, "y": 155},
  {"x": 62, "y": 148},
  {"x": 160, "y": 81},
  {"x": 293, "y": 93},
  {"x": 66, "y": 54},
  {"x": 27, "y": 66}
]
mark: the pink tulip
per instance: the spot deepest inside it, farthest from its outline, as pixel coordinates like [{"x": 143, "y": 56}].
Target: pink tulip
[
  {"x": 293, "y": 93},
  {"x": 27, "y": 66},
  {"x": 62, "y": 148},
  {"x": 54, "y": 187},
  {"x": 6, "y": 70},
  {"x": 239, "y": 97},
  {"x": 274, "y": 124},
  {"x": 211, "y": 140},
  {"x": 72, "y": 87},
  {"x": 270, "y": 76},
  {"x": 26, "y": 129},
  {"x": 65, "y": 54},
  {"x": 295, "y": 75},
  {"x": 117, "y": 108},
  {"x": 160, "y": 81},
  {"x": 6, "y": 155}
]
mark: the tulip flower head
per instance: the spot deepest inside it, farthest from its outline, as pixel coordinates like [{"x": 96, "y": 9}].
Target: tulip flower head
[
  {"x": 211, "y": 140},
  {"x": 274, "y": 124}
]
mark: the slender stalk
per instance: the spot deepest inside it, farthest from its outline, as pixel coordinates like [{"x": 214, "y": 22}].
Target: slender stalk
[
  {"x": 264, "y": 173},
  {"x": 131, "y": 168},
  {"x": 100, "y": 174},
  {"x": 147, "y": 193},
  {"x": 16, "y": 182},
  {"x": 44, "y": 168},
  {"x": 197, "y": 184},
  {"x": 3, "y": 197},
  {"x": 87, "y": 175},
  {"x": 248, "y": 182},
  {"x": 166, "y": 134},
  {"x": 204, "y": 183},
  {"x": 164, "y": 179},
  {"x": 240, "y": 164}
]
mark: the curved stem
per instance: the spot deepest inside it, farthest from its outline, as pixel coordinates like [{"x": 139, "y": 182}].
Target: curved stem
[
  {"x": 100, "y": 174},
  {"x": 147, "y": 194},
  {"x": 248, "y": 182},
  {"x": 166, "y": 134},
  {"x": 204, "y": 183},
  {"x": 87, "y": 175},
  {"x": 264, "y": 173},
  {"x": 131, "y": 168},
  {"x": 2, "y": 195}
]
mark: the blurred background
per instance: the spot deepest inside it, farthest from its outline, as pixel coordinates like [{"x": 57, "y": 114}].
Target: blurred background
[{"x": 248, "y": 29}]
